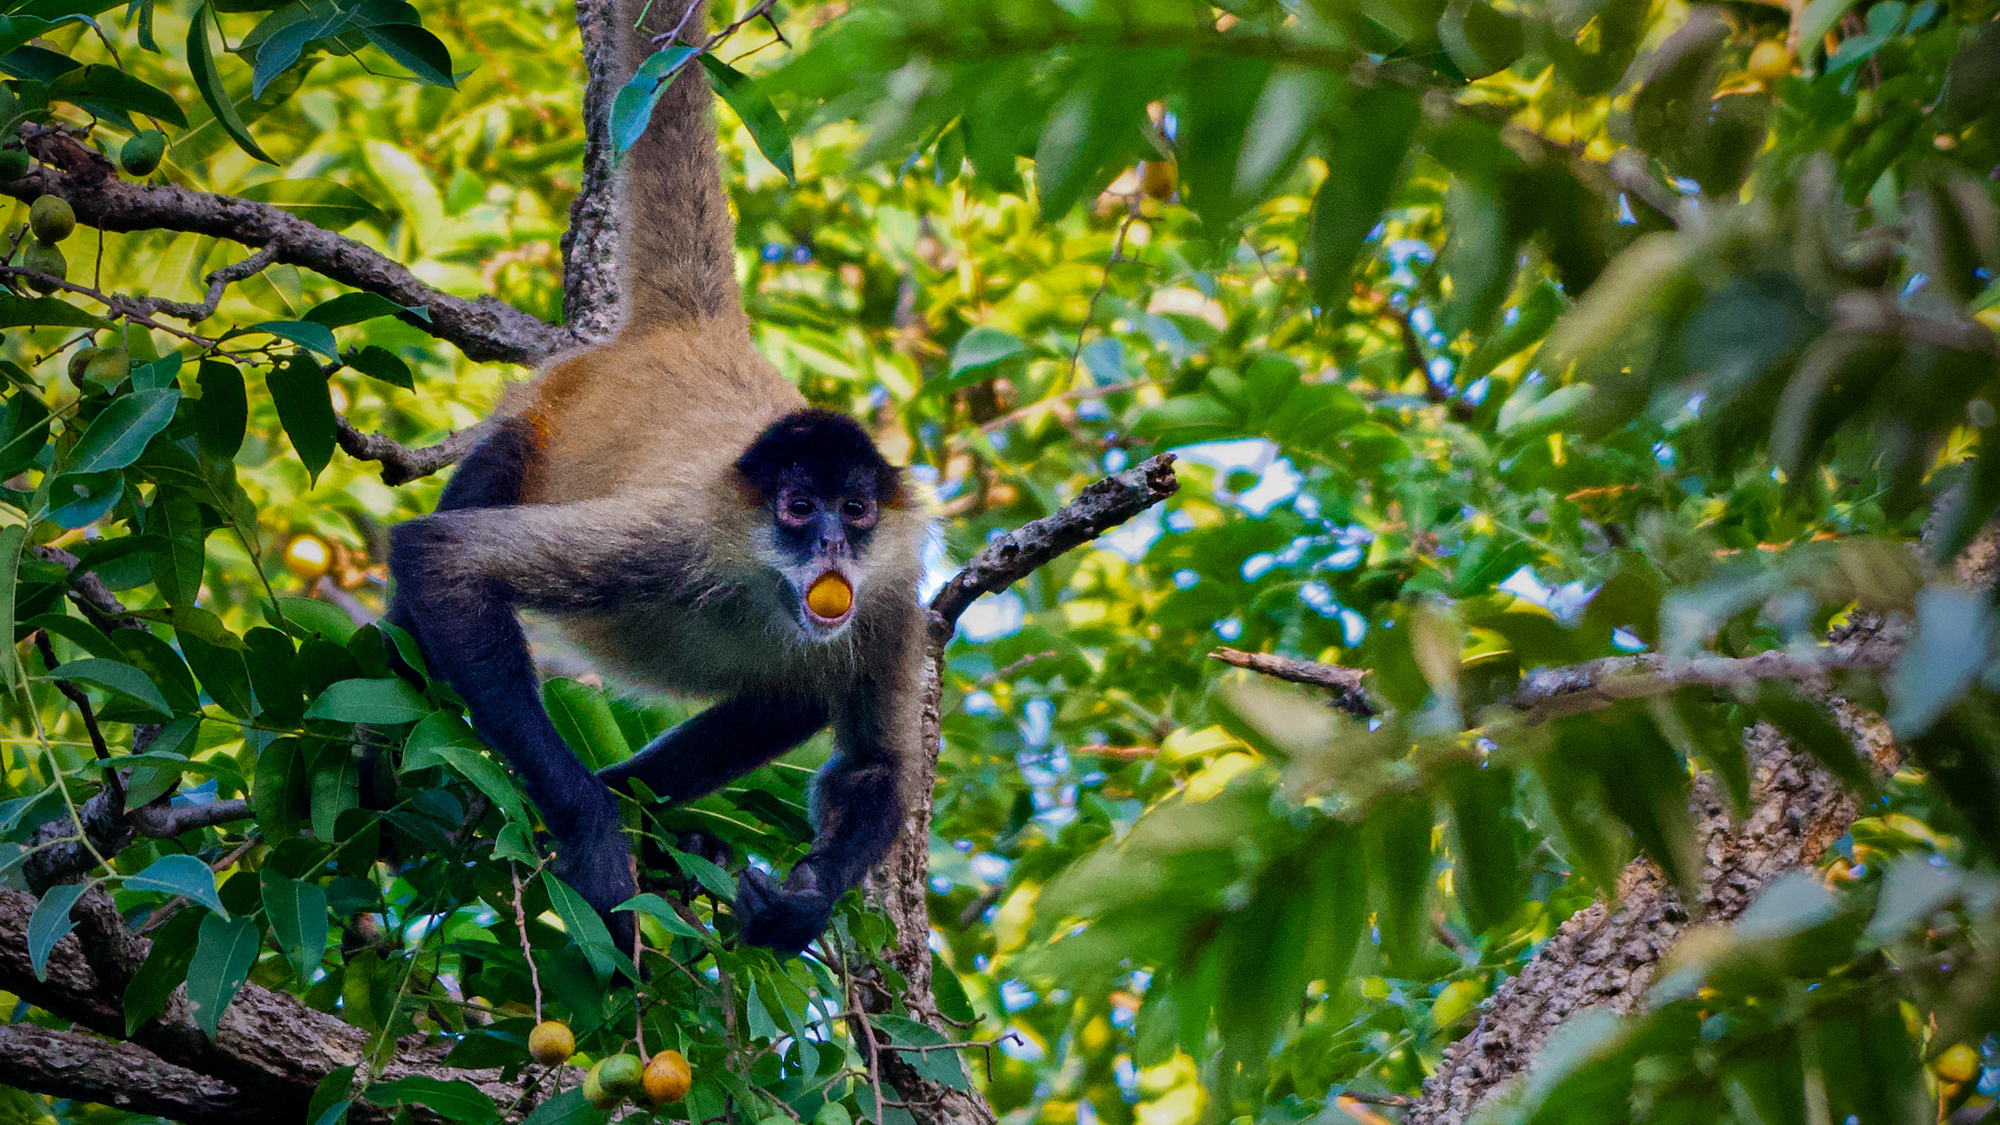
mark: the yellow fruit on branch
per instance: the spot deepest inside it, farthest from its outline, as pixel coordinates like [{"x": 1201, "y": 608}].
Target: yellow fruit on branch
[
  {"x": 667, "y": 1077},
  {"x": 308, "y": 557},
  {"x": 551, "y": 1042}
]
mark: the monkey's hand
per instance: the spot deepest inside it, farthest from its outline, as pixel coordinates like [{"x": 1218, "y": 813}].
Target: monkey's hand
[
  {"x": 595, "y": 863},
  {"x": 784, "y": 919}
]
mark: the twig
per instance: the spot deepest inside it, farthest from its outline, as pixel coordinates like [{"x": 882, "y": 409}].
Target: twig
[
  {"x": 89, "y": 714},
  {"x": 1345, "y": 683},
  {"x": 527, "y": 951},
  {"x": 1553, "y": 693},
  {"x": 401, "y": 464},
  {"x": 1011, "y": 557}
]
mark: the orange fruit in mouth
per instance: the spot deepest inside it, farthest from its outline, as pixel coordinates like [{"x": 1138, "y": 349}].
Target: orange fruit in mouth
[{"x": 830, "y": 596}]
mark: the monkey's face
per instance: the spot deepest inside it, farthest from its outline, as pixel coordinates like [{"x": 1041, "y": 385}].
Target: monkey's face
[{"x": 824, "y": 485}]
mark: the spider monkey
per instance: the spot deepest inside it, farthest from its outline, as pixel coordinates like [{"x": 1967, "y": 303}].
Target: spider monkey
[{"x": 670, "y": 500}]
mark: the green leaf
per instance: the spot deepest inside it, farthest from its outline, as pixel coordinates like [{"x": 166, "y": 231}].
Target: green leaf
[
  {"x": 585, "y": 928},
  {"x": 1397, "y": 834},
  {"x": 49, "y": 922},
  {"x": 660, "y": 909},
  {"x": 118, "y": 436},
  {"x": 118, "y": 678},
  {"x": 632, "y": 106},
  {"x": 310, "y": 617},
  {"x": 982, "y": 348},
  {"x": 423, "y": 54},
  {"x": 278, "y": 789},
  {"x": 353, "y": 308},
  {"x": 1366, "y": 158},
  {"x": 713, "y": 879},
  {"x": 304, "y": 333},
  {"x": 582, "y": 716},
  {"x": 208, "y": 80},
  {"x": 381, "y": 702},
  {"x": 383, "y": 364},
  {"x": 445, "y": 739},
  {"x": 11, "y": 539},
  {"x": 456, "y": 1101},
  {"x": 52, "y": 312},
  {"x": 222, "y": 414},
  {"x": 1092, "y": 124},
  {"x": 566, "y": 1108},
  {"x": 1489, "y": 858},
  {"x": 164, "y": 970},
  {"x": 183, "y": 875},
  {"x": 751, "y": 104},
  {"x": 1943, "y": 659},
  {"x": 326, "y": 204},
  {"x": 107, "y": 85},
  {"x": 305, "y": 407},
  {"x": 223, "y": 955},
  {"x": 1912, "y": 891},
  {"x": 173, "y": 523}
]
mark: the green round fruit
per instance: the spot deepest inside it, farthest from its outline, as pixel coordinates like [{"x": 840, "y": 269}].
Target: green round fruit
[
  {"x": 79, "y": 362},
  {"x": 14, "y": 164},
  {"x": 594, "y": 1091},
  {"x": 109, "y": 367},
  {"x": 142, "y": 152},
  {"x": 51, "y": 218},
  {"x": 46, "y": 258},
  {"x": 623, "y": 1075}
]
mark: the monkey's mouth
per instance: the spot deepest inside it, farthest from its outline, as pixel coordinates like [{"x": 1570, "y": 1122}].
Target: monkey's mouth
[{"x": 829, "y": 601}]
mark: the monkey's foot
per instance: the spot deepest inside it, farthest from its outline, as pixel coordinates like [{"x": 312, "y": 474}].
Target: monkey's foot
[
  {"x": 598, "y": 866},
  {"x": 784, "y": 919}
]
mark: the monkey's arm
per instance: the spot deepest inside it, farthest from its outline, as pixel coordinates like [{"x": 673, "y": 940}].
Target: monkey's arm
[
  {"x": 858, "y": 810},
  {"x": 724, "y": 742},
  {"x": 459, "y": 576}
]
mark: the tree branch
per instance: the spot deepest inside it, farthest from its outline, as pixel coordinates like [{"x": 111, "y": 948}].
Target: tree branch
[
  {"x": 70, "y": 1064},
  {"x": 401, "y": 464},
  {"x": 1013, "y": 556},
  {"x": 1546, "y": 694},
  {"x": 268, "y": 1045},
  {"x": 486, "y": 329},
  {"x": 1345, "y": 683}
]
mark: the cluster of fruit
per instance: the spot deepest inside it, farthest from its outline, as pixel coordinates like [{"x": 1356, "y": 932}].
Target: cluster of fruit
[{"x": 615, "y": 1078}]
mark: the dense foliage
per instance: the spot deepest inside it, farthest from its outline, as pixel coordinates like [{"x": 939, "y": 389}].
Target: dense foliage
[{"x": 1493, "y": 338}]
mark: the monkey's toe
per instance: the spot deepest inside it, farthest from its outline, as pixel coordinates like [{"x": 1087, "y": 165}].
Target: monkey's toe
[{"x": 784, "y": 919}]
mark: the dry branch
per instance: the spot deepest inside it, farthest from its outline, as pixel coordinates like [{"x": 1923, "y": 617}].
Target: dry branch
[
  {"x": 401, "y": 464},
  {"x": 1345, "y": 683},
  {"x": 70, "y": 1064},
  {"x": 1013, "y": 556},
  {"x": 485, "y": 329}
]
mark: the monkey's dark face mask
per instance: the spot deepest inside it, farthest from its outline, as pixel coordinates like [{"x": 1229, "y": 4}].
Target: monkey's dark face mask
[{"x": 823, "y": 483}]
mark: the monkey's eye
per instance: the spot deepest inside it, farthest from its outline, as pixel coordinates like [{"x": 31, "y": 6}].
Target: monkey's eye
[
  {"x": 798, "y": 507},
  {"x": 854, "y": 509}
]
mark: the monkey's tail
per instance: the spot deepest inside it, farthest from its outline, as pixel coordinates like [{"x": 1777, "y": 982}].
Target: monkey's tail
[{"x": 679, "y": 240}]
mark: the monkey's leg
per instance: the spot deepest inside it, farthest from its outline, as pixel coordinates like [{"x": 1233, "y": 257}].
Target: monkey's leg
[
  {"x": 857, "y": 808},
  {"x": 724, "y": 742}
]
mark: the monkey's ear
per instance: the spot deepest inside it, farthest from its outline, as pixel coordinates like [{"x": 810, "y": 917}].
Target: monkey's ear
[
  {"x": 891, "y": 489},
  {"x": 752, "y": 493}
]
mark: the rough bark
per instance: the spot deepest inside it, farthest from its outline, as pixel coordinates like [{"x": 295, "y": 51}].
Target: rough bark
[
  {"x": 899, "y": 887},
  {"x": 1605, "y": 955},
  {"x": 70, "y": 1064},
  {"x": 592, "y": 308},
  {"x": 486, "y": 329},
  {"x": 268, "y": 1048}
]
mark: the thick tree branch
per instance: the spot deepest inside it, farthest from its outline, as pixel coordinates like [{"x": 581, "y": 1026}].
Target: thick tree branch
[
  {"x": 71, "y": 1064},
  {"x": 1013, "y": 556},
  {"x": 486, "y": 329},
  {"x": 900, "y": 886},
  {"x": 268, "y": 1045}
]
